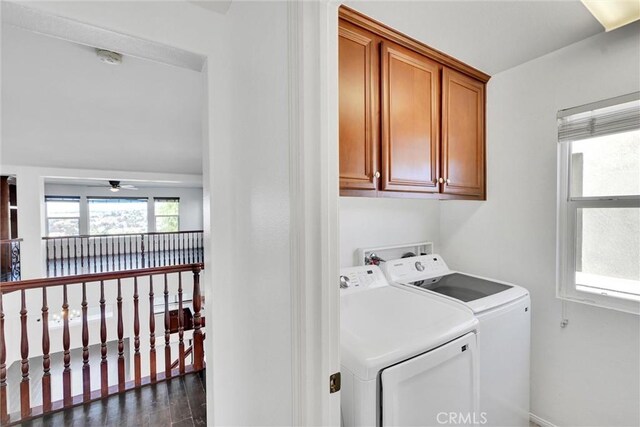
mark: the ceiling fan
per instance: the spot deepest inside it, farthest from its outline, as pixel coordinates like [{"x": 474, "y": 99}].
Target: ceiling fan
[{"x": 115, "y": 186}]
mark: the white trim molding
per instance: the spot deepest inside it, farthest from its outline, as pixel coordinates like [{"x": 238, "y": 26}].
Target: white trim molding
[{"x": 313, "y": 151}]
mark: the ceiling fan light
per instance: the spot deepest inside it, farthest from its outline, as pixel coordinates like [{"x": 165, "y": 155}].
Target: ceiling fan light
[
  {"x": 614, "y": 14},
  {"x": 114, "y": 189}
]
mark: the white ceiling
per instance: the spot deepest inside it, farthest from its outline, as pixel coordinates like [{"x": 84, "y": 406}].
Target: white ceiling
[
  {"x": 491, "y": 36},
  {"x": 62, "y": 107}
]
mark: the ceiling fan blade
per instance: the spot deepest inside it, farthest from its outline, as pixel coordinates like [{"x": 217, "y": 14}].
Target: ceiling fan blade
[{"x": 128, "y": 187}]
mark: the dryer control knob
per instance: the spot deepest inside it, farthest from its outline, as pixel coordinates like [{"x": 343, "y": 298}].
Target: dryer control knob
[
  {"x": 344, "y": 282},
  {"x": 419, "y": 266}
]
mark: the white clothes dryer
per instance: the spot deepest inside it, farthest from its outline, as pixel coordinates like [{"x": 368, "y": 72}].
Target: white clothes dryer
[{"x": 405, "y": 361}]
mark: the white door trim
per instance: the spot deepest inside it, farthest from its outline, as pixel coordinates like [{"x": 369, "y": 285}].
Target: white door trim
[{"x": 313, "y": 151}]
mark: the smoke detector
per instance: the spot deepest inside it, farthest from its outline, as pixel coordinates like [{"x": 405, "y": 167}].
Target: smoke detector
[{"x": 109, "y": 57}]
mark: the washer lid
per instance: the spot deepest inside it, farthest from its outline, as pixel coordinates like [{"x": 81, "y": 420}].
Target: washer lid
[
  {"x": 478, "y": 293},
  {"x": 386, "y": 325}
]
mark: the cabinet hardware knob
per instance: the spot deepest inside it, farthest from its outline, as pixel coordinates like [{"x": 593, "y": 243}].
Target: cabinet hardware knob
[
  {"x": 377, "y": 174},
  {"x": 441, "y": 180},
  {"x": 448, "y": 181}
]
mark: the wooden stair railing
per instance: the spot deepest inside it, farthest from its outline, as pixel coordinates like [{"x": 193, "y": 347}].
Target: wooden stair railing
[
  {"x": 89, "y": 393},
  {"x": 72, "y": 255}
]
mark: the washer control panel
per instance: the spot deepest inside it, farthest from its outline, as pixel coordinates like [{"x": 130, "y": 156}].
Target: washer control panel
[
  {"x": 361, "y": 278},
  {"x": 405, "y": 270}
]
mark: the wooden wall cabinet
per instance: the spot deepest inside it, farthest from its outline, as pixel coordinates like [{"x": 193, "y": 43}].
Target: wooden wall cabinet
[
  {"x": 411, "y": 119},
  {"x": 358, "y": 98}
]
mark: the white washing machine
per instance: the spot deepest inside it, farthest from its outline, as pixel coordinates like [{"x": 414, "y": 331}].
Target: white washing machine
[
  {"x": 405, "y": 361},
  {"x": 503, "y": 310}
]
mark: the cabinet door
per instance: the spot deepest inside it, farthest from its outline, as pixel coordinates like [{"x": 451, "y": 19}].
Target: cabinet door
[
  {"x": 358, "y": 79},
  {"x": 463, "y": 143},
  {"x": 410, "y": 120}
]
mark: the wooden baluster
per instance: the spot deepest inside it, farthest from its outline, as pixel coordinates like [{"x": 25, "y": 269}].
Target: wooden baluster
[
  {"x": 55, "y": 260},
  {"x": 121, "y": 382},
  {"x": 66, "y": 344},
  {"x": 175, "y": 253},
  {"x": 46, "y": 248},
  {"x": 86, "y": 368},
  {"x": 68, "y": 255},
  {"x": 4, "y": 413},
  {"x": 75, "y": 254},
  {"x": 136, "y": 333},
  {"x": 25, "y": 401},
  {"x": 95, "y": 257},
  {"x": 100, "y": 246},
  {"x": 180, "y": 325},
  {"x": 124, "y": 252},
  {"x": 113, "y": 253},
  {"x": 170, "y": 251},
  {"x": 198, "y": 348},
  {"x": 141, "y": 251},
  {"x": 82, "y": 241},
  {"x": 104, "y": 374},
  {"x": 167, "y": 331},
  {"x": 162, "y": 241},
  {"x": 152, "y": 333},
  {"x": 46, "y": 359}
]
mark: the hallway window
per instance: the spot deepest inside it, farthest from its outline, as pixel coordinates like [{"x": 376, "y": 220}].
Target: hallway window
[
  {"x": 117, "y": 215},
  {"x": 167, "y": 213},
  {"x": 63, "y": 215},
  {"x": 599, "y": 204}
]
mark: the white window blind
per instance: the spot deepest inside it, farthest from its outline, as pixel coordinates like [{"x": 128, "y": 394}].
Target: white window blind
[{"x": 612, "y": 116}]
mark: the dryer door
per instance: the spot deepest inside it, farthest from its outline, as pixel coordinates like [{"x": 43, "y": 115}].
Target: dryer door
[{"x": 434, "y": 389}]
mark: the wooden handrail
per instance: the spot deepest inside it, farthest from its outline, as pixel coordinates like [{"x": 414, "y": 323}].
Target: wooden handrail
[
  {"x": 5, "y": 241},
  {"x": 85, "y": 236},
  {"x": 46, "y": 282}
]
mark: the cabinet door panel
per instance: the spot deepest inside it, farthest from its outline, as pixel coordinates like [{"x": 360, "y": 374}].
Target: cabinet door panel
[
  {"x": 463, "y": 143},
  {"x": 357, "y": 94},
  {"x": 410, "y": 120}
]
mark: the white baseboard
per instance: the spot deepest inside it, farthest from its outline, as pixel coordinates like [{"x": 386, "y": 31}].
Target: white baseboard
[{"x": 540, "y": 421}]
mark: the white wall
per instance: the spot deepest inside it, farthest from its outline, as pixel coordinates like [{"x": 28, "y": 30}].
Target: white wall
[
  {"x": 246, "y": 184},
  {"x": 190, "y": 199},
  {"x": 589, "y": 372},
  {"x": 370, "y": 222}
]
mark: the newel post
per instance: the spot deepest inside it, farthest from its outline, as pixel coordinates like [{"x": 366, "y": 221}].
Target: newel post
[{"x": 198, "y": 348}]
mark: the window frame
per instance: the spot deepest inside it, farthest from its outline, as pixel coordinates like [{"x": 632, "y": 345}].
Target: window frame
[
  {"x": 156, "y": 216},
  {"x": 62, "y": 199},
  {"x": 566, "y": 288}
]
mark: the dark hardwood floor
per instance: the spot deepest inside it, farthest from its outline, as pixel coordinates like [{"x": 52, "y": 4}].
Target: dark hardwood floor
[{"x": 177, "y": 402}]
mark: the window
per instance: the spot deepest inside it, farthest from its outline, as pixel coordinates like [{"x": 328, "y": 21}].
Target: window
[
  {"x": 117, "y": 215},
  {"x": 63, "y": 216},
  {"x": 167, "y": 213},
  {"x": 599, "y": 204}
]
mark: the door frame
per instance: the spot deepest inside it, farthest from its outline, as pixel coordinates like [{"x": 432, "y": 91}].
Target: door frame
[{"x": 314, "y": 193}]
